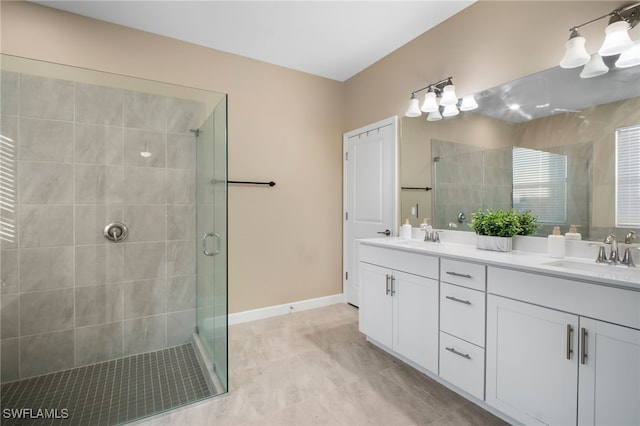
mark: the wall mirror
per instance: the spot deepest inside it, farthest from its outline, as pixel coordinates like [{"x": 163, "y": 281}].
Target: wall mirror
[{"x": 562, "y": 146}]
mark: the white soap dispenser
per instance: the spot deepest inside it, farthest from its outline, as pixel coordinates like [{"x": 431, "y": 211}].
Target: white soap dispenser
[
  {"x": 406, "y": 230},
  {"x": 555, "y": 243},
  {"x": 573, "y": 234}
]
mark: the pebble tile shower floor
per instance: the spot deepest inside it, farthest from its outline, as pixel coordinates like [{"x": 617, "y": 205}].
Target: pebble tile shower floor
[{"x": 111, "y": 392}]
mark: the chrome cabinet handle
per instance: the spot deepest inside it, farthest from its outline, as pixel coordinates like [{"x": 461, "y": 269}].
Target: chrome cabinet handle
[
  {"x": 457, "y": 274},
  {"x": 204, "y": 244},
  {"x": 387, "y": 284},
  {"x": 455, "y": 299},
  {"x": 385, "y": 232},
  {"x": 452, "y": 350},
  {"x": 393, "y": 285},
  {"x": 583, "y": 347},
  {"x": 569, "y": 333}
]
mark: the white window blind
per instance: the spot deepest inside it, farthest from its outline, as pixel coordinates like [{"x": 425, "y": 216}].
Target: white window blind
[
  {"x": 540, "y": 184},
  {"x": 628, "y": 176}
]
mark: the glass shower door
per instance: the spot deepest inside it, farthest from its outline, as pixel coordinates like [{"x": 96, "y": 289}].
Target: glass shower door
[{"x": 211, "y": 259}]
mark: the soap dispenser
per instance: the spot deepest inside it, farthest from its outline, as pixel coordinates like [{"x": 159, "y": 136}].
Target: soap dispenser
[
  {"x": 573, "y": 234},
  {"x": 555, "y": 243},
  {"x": 406, "y": 230}
]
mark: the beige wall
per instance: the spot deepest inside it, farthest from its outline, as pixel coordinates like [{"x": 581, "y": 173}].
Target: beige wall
[
  {"x": 284, "y": 242},
  {"x": 489, "y": 43}
]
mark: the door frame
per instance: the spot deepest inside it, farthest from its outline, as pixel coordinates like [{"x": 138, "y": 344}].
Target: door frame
[{"x": 392, "y": 121}]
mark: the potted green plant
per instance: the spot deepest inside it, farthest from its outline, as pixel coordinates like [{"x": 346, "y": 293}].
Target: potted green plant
[{"x": 496, "y": 228}]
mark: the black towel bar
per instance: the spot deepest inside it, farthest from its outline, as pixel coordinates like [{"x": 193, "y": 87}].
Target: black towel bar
[
  {"x": 419, "y": 189},
  {"x": 243, "y": 182}
]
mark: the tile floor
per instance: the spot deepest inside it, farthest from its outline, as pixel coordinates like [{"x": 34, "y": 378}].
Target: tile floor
[
  {"x": 315, "y": 368},
  {"x": 111, "y": 392}
]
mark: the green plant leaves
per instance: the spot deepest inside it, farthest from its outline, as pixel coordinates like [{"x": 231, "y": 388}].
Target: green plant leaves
[{"x": 503, "y": 223}]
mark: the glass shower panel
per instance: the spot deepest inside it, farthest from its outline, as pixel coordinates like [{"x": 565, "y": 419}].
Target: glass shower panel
[
  {"x": 458, "y": 182},
  {"x": 84, "y": 154},
  {"x": 211, "y": 260}
]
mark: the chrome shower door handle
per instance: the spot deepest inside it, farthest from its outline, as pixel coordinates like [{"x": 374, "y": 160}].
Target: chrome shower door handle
[{"x": 204, "y": 244}]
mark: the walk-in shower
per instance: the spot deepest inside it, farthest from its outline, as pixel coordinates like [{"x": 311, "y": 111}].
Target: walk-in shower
[{"x": 113, "y": 238}]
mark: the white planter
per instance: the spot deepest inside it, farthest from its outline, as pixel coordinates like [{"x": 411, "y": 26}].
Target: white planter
[{"x": 485, "y": 242}]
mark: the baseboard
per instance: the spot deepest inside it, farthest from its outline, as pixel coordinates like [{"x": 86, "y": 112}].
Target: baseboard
[{"x": 272, "y": 311}]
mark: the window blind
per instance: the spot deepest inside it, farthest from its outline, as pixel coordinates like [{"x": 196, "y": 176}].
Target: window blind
[
  {"x": 540, "y": 184},
  {"x": 628, "y": 176}
]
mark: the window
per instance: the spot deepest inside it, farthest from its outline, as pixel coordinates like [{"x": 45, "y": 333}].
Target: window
[
  {"x": 628, "y": 176},
  {"x": 540, "y": 184}
]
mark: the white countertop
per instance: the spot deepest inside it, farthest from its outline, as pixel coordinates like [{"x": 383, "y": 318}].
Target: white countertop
[{"x": 568, "y": 267}]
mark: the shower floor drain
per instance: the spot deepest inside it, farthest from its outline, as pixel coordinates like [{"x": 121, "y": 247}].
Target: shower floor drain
[{"x": 107, "y": 393}]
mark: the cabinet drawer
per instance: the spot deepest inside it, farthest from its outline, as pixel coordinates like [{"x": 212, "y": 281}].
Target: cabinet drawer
[
  {"x": 400, "y": 260},
  {"x": 462, "y": 364},
  {"x": 462, "y": 313},
  {"x": 615, "y": 305},
  {"x": 462, "y": 273}
]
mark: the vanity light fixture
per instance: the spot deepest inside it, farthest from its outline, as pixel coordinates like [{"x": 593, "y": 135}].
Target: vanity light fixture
[
  {"x": 616, "y": 42},
  {"x": 594, "y": 67},
  {"x": 414, "y": 107},
  {"x": 630, "y": 57},
  {"x": 445, "y": 92}
]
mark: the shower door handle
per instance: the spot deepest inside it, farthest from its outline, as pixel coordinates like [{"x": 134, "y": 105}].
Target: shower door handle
[{"x": 204, "y": 244}]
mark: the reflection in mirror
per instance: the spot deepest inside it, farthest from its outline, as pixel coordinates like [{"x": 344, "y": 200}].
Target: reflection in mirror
[{"x": 585, "y": 124}]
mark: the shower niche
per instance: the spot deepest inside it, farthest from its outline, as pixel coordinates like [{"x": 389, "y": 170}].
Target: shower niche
[{"x": 107, "y": 185}]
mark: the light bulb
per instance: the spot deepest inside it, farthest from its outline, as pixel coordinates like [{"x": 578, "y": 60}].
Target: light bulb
[
  {"x": 414, "y": 108},
  {"x": 594, "y": 67},
  {"x": 468, "y": 103},
  {"x": 616, "y": 40},
  {"x": 434, "y": 115},
  {"x": 430, "y": 103},
  {"x": 630, "y": 57},
  {"x": 449, "y": 95},
  {"x": 575, "y": 55},
  {"x": 450, "y": 111}
]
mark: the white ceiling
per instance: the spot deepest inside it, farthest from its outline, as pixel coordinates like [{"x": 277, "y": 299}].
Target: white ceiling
[{"x": 333, "y": 39}]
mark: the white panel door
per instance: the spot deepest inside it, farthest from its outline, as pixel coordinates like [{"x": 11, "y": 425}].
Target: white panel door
[
  {"x": 609, "y": 392},
  {"x": 369, "y": 193},
  {"x": 532, "y": 367}
]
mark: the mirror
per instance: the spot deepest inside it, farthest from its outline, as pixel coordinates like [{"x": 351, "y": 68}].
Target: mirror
[{"x": 554, "y": 154}]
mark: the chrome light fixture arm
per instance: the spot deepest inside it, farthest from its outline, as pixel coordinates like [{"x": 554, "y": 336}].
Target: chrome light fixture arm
[{"x": 630, "y": 13}]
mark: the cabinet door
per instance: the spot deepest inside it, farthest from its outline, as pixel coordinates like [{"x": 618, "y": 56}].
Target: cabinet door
[
  {"x": 376, "y": 303},
  {"x": 416, "y": 319},
  {"x": 532, "y": 367},
  {"x": 609, "y": 392}
]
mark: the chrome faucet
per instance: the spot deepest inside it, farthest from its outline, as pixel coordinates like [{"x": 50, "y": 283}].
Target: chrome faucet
[
  {"x": 628, "y": 258},
  {"x": 429, "y": 233},
  {"x": 613, "y": 255}
]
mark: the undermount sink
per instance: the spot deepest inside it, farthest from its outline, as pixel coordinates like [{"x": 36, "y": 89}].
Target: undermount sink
[
  {"x": 618, "y": 271},
  {"x": 416, "y": 243}
]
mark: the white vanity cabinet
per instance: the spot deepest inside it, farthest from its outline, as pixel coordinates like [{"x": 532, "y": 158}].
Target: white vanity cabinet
[
  {"x": 555, "y": 364},
  {"x": 609, "y": 374},
  {"x": 399, "y": 303},
  {"x": 532, "y": 367}
]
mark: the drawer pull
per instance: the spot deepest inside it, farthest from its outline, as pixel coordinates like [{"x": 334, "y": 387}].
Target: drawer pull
[
  {"x": 452, "y": 350},
  {"x": 393, "y": 285},
  {"x": 455, "y": 299},
  {"x": 457, "y": 274},
  {"x": 388, "y": 287}
]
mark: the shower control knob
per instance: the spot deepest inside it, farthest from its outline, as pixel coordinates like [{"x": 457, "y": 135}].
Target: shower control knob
[{"x": 116, "y": 232}]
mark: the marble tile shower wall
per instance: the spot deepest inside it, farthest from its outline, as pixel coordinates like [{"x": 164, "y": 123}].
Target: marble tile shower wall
[{"x": 68, "y": 296}]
